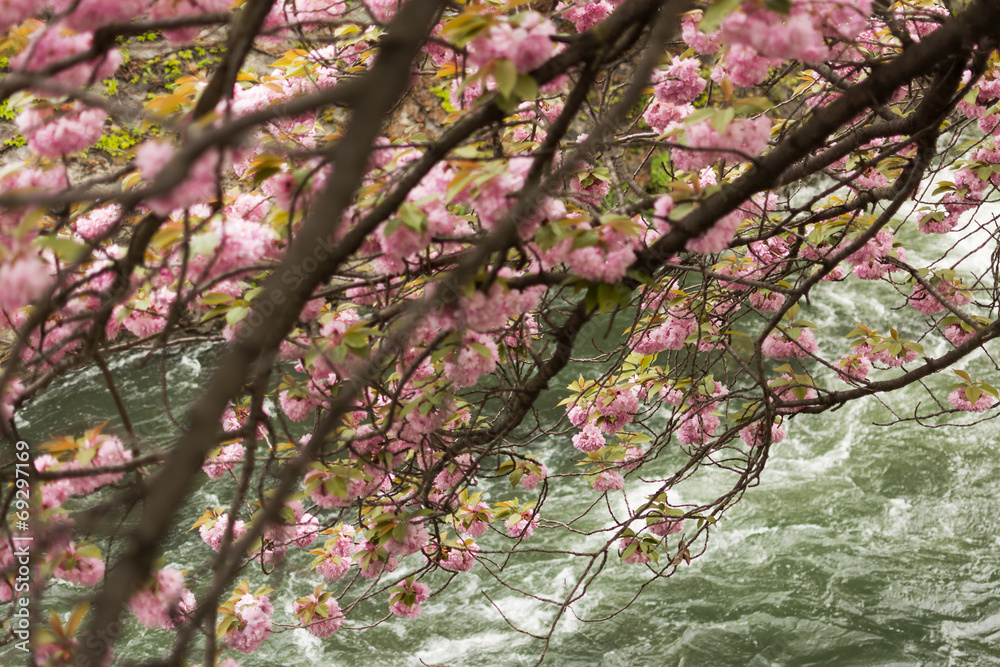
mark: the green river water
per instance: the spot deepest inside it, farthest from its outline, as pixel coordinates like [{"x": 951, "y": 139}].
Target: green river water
[{"x": 863, "y": 545}]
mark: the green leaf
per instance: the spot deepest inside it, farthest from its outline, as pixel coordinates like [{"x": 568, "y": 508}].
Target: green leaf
[
  {"x": 757, "y": 104},
  {"x": 89, "y": 551},
  {"x": 337, "y": 486},
  {"x": 779, "y": 6},
  {"x": 413, "y": 217},
  {"x": 66, "y": 249},
  {"x": 718, "y": 11},
  {"x": 546, "y": 237},
  {"x": 408, "y": 408},
  {"x": 622, "y": 224},
  {"x": 526, "y": 87},
  {"x": 700, "y": 115},
  {"x": 722, "y": 119},
  {"x": 607, "y": 298},
  {"x": 586, "y": 238},
  {"x": 224, "y": 625},
  {"x": 215, "y": 298},
  {"x": 482, "y": 350},
  {"x": 505, "y": 74},
  {"x": 464, "y": 28},
  {"x": 355, "y": 339}
]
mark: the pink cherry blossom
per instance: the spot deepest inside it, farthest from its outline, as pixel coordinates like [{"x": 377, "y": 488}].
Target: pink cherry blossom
[
  {"x": 54, "y": 135},
  {"x": 960, "y": 401},
  {"x": 383, "y": 10},
  {"x": 876, "y": 247},
  {"x": 24, "y": 279},
  {"x": 406, "y": 608},
  {"x": 590, "y": 439},
  {"x": 749, "y": 136},
  {"x": 153, "y": 604},
  {"x": 787, "y": 392},
  {"x": 665, "y": 116},
  {"x": 253, "y": 624},
  {"x": 416, "y": 537},
  {"x": 697, "y": 427},
  {"x": 854, "y": 367},
  {"x": 705, "y": 44},
  {"x": 744, "y": 66},
  {"x": 472, "y": 521},
  {"x": 326, "y": 617},
  {"x": 637, "y": 557},
  {"x": 753, "y": 435},
  {"x": 618, "y": 408},
  {"x": 585, "y": 15},
  {"x": 667, "y": 526},
  {"x": 97, "y": 222},
  {"x": 672, "y": 334},
  {"x": 53, "y": 44},
  {"x": 333, "y": 567},
  {"x": 12, "y": 13},
  {"x": 296, "y": 407},
  {"x": 527, "y": 45},
  {"x": 181, "y": 612},
  {"x": 718, "y": 237},
  {"x": 307, "y": 12},
  {"x": 956, "y": 334},
  {"x": 765, "y": 301},
  {"x": 165, "y": 9},
  {"x": 227, "y": 459},
  {"x": 522, "y": 526},
  {"x": 680, "y": 83},
  {"x": 459, "y": 559},
  {"x": 609, "y": 480},
  {"x": 785, "y": 36},
  {"x": 927, "y": 304},
  {"x": 199, "y": 185},
  {"x": 577, "y": 414},
  {"x": 530, "y": 480},
  {"x": 93, "y": 14},
  {"x": 477, "y": 356},
  {"x": 77, "y": 569},
  {"x": 373, "y": 560},
  {"x": 213, "y": 533},
  {"x": 779, "y": 345}
]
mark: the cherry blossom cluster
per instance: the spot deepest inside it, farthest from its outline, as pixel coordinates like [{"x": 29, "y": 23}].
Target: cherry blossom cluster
[{"x": 394, "y": 495}]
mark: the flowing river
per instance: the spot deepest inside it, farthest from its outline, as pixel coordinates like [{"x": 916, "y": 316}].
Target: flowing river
[{"x": 862, "y": 545}]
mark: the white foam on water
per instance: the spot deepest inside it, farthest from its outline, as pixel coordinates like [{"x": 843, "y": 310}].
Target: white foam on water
[
  {"x": 899, "y": 514},
  {"x": 985, "y": 630},
  {"x": 187, "y": 367},
  {"x": 442, "y": 650},
  {"x": 795, "y": 460},
  {"x": 528, "y": 614}
]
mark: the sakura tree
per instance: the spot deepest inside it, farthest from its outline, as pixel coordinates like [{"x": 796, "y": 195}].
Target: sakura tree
[{"x": 398, "y": 225}]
